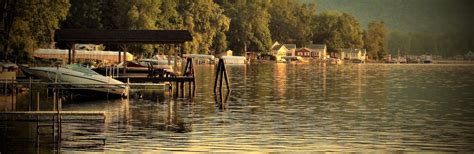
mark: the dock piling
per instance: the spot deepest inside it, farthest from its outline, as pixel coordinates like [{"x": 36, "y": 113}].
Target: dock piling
[{"x": 221, "y": 73}]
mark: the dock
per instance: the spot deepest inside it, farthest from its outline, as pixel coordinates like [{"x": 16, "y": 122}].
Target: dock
[{"x": 51, "y": 113}]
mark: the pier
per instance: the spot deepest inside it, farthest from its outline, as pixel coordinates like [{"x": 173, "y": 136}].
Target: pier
[{"x": 174, "y": 39}]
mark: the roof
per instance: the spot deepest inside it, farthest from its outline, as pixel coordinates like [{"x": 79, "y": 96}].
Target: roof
[
  {"x": 277, "y": 47},
  {"x": 122, "y": 36},
  {"x": 290, "y": 46},
  {"x": 303, "y": 49},
  {"x": 275, "y": 44},
  {"x": 317, "y": 46}
]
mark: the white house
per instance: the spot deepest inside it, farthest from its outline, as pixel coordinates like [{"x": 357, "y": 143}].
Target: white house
[
  {"x": 279, "y": 50},
  {"x": 318, "y": 51},
  {"x": 291, "y": 49}
]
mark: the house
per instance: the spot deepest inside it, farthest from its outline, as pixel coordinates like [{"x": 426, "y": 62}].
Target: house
[
  {"x": 353, "y": 53},
  {"x": 279, "y": 50},
  {"x": 303, "y": 52},
  {"x": 291, "y": 49},
  {"x": 318, "y": 51}
]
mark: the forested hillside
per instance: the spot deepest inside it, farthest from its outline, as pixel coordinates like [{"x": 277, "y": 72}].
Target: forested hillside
[
  {"x": 406, "y": 15},
  {"x": 442, "y": 27}
]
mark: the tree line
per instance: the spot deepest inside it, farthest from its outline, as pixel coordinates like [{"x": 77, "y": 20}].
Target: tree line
[{"x": 216, "y": 25}]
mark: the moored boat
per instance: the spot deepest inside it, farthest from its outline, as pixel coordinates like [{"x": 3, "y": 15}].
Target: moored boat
[{"x": 78, "y": 77}]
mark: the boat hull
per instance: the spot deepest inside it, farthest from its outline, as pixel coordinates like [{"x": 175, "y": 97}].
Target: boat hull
[{"x": 78, "y": 80}]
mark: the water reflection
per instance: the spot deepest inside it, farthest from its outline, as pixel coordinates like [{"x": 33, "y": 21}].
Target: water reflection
[{"x": 277, "y": 107}]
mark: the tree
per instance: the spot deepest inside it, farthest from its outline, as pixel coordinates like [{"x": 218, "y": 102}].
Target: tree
[
  {"x": 249, "y": 27},
  {"x": 375, "y": 39},
  {"x": 204, "y": 19},
  {"x": 84, "y": 14},
  {"x": 29, "y": 24},
  {"x": 337, "y": 31},
  {"x": 292, "y": 22},
  {"x": 143, "y": 15}
]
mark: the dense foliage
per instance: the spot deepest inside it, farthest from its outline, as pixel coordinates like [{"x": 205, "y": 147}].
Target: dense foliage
[
  {"x": 375, "y": 39},
  {"x": 238, "y": 25},
  {"x": 28, "y": 24}
]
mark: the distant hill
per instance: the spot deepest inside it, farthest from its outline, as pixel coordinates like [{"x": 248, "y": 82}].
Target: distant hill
[{"x": 407, "y": 15}]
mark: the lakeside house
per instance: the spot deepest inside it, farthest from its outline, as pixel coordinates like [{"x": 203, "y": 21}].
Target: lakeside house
[
  {"x": 279, "y": 50},
  {"x": 318, "y": 51},
  {"x": 353, "y": 53},
  {"x": 291, "y": 49},
  {"x": 304, "y": 52}
]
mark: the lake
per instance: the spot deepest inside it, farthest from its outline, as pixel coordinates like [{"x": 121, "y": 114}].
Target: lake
[{"x": 274, "y": 108}]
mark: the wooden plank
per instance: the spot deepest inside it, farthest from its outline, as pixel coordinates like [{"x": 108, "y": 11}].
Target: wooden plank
[
  {"x": 142, "y": 79},
  {"x": 49, "y": 113}
]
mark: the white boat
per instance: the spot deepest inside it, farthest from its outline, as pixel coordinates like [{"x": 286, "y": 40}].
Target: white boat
[
  {"x": 78, "y": 77},
  {"x": 160, "y": 61}
]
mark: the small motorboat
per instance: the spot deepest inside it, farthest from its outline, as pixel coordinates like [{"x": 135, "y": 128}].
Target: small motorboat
[{"x": 78, "y": 77}]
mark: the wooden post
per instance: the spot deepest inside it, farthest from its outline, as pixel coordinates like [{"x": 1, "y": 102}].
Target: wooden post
[
  {"x": 217, "y": 74},
  {"x": 54, "y": 99},
  {"x": 176, "y": 88},
  {"x": 226, "y": 78},
  {"x": 31, "y": 96},
  {"x": 73, "y": 56},
  {"x": 69, "y": 56},
  {"x": 119, "y": 56},
  {"x": 125, "y": 49},
  {"x": 194, "y": 78},
  {"x": 221, "y": 76},
  {"x": 182, "y": 89},
  {"x": 6, "y": 87},
  {"x": 175, "y": 65},
  {"x": 37, "y": 101}
]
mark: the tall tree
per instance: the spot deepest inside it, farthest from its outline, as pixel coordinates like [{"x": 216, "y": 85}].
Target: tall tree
[
  {"x": 143, "y": 15},
  {"x": 29, "y": 24},
  {"x": 84, "y": 14},
  {"x": 292, "y": 22},
  {"x": 375, "y": 39},
  {"x": 249, "y": 27},
  {"x": 205, "y": 19},
  {"x": 337, "y": 31}
]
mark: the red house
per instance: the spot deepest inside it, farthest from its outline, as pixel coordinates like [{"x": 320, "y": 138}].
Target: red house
[{"x": 303, "y": 52}]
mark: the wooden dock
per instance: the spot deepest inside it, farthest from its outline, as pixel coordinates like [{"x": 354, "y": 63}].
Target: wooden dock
[
  {"x": 51, "y": 113},
  {"x": 144, "y": 79}
]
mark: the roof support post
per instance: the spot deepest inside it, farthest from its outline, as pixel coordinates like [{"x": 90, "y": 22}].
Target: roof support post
[
  {"x": 71, "y": 53},
  {"x": 125, "y": 49},
  {"x": 175, "y": 65}
]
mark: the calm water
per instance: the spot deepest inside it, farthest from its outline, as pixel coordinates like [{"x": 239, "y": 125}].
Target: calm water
[{"x": 278, "y": 107}]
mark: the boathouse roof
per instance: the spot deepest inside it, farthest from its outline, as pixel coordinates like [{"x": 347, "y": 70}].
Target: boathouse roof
[{"x": 100, "y": 36}]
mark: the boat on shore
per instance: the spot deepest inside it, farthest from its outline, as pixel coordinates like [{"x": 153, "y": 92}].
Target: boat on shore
[{"x": 78, "y": 77}]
